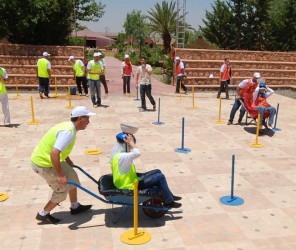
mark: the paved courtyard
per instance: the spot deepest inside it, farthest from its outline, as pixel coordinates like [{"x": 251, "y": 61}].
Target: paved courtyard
[{"x": 264, "y": 177}]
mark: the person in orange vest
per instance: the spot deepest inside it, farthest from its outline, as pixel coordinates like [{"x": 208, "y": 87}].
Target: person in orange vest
[
  {"x": 180, "y": 73},
  {"x": 126, "y": 73},
  {"x": 260, "y": 103},
  {"x": 43, "y": 74},
  {"x": 244, "y": 90},
  {"x": 225, "y": 76}
]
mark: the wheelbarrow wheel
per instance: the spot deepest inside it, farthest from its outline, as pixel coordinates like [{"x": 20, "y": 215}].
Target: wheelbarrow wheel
[{"x": 156, "y": 201}]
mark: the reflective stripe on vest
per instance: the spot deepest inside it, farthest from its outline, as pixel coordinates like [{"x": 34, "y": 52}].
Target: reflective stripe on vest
[
  {"x": 2, "y": 85},
  {"x": 95, "y": 68},
  {"x": 42, "y": 68},
  {"x": 123, "y": 181},
  {"x": 248, "y": 90},
  {"x": 78, "y": 69},
  {"x": 41, "y": 154}
]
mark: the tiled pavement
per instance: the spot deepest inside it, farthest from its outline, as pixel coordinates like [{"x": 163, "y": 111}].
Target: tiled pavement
[{"x": 264, "y": 177}]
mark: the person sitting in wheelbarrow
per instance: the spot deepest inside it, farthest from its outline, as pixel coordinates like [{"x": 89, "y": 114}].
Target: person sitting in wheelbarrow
[{"x": 124, "y": 172}]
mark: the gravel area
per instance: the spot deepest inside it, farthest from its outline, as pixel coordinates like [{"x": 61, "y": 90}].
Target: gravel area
[{"x": 287, "y": 93}]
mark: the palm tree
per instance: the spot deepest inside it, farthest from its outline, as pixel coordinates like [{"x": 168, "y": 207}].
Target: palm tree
[{"x": 163, "y": 21}]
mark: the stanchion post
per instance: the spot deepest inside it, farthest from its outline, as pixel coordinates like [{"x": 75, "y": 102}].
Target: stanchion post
[
  {"x": 219, "y": 121},
  {"x": 33, "y": 122},
  {"x": 193, "y": 99},
  {"x": 69, "y": 98},
  {"x": 135, "y": 237},
  {"x": 158, "y": 120},
  {"x": 232, "y": 200},
  {"x": 182, "y": 149},
  {"x": 256, "y": 144},
  {"x": 277, "y": 114},
  {"x": 16, "y": 87}
]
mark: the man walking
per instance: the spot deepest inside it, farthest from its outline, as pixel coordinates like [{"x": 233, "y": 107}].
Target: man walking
[
  {"x": 225, "y": 76},
  {"x": 78, "y": 69},
  {"x": 144, "y": 79},
  {"x": 43, "y": 74},
  {"x": 50, "y": 159},
  {"x": 4, "y": 97}
]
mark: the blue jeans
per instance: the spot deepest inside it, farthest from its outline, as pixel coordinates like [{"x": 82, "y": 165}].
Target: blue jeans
[
  {"x": 126, "y": 84},
  {"x": 235, "y": 107},
  {"x": 262, "y": 110},
  {"x": 156, "y": 178},
  {"x": 146, "y": 90},
  {"x": 95, "y": 91}
]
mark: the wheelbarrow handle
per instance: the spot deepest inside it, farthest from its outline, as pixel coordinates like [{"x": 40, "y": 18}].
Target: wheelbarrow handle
[{"x": 87, "y": 174}]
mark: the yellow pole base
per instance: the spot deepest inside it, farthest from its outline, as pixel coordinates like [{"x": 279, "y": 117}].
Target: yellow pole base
[
  {"x": 140, "y": 238},
  {"x": 256, "y": 145},
  {"x": 3, "y": 196},
  {"x": 92, "y": 151},
  {"x": 33, "y": 123},
  {"x": 193, "y": 107},
  {"x": 69, "y": 107},
  {"x": 220, "y": 122}
]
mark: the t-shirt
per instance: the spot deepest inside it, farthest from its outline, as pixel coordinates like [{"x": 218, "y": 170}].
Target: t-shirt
[{"x": 144, "y": 77}]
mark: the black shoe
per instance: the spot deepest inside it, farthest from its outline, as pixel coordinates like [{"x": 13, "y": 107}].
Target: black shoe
[
  {"x": 47, "y": 219},
  {"x": 173, "y": 205},
  {"x": 240, "y": 120},
  {"x": 227, "y": 97},
  {"x": 229, "y": 122},
  {"x": 218, "y": 96},
  {"x": 177, "y": 198},
  {"x": 80, "y": 209}
]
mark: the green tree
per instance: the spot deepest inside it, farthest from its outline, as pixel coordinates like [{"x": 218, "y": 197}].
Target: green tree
[
  {"x": 163, "y": 21},
  {"x": 135, "y": 27},
  {"x": 37, "y": 21},
  {"x": 282, "y": 25},
  {"x": 218, "y": 27}
]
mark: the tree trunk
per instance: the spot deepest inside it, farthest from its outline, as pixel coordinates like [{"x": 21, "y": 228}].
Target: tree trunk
[{"x": 166, "y": 42}]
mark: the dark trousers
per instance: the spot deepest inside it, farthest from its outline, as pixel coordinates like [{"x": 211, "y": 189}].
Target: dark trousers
[
  {"x": 126, "y": 84},
  {"x": 44, "y": 85},
  {"x": 103, "y": 81},
  {"x": 235, "y": 108},
  {"x": 156, "y": 178},
  {"x": 80, "y": 80},
  {"x": 145, "y": 90},
  {"x": 224, "y": 86},
  {"x": 180, "y": 81}
]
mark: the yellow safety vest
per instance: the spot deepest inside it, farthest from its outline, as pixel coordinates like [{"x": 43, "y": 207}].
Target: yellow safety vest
[
  {"x": 78, "y": 69},
  {"x": 42, "y": 67},
  {"x": 95, "y": 68},
  {"x": 2, "y": 85},
  {"x": 123, "y": 181},
  {"x": 41, "y": 154}
]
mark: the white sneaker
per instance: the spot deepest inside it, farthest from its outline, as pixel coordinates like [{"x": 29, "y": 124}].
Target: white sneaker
[
  {"x": 95, "y": 105},
  {"x": 86, "y": 95},
  {"x": 80, "y": 94}
]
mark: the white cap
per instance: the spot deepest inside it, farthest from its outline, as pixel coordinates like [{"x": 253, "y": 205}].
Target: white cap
[
  {"x": 81, "y": 111},
  {"x": 71, "y": 58},
  {"x": 45, "y": 54},
  {"x": 177, "y": 58},
  {"x": 257, "y": 75},
  {"x": 126, "y": 56},
  {"x": 99, "y": 54},
  {"x": 96, "y": 54}
]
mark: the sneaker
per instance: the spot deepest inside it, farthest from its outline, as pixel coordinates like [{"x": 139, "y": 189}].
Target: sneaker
[
  {"x": 86, "y": 95},
  {"x": 154, "y": 107},
  {"x": 41, "y": 95},
  {"x": 177, "y": 198},
  {"x": 227, "y": 97},
  {"x": 47, "y": 219},
  {"x": 95, "y": 105},
  {"x": 80, "y": 208},
  {"x": 142, "y": 110},
  {"x": 240, "y": 120},
  {"x": 80, "y": 94},
  {"x": 218, "y": 97},
  {"x": 229, "y": 123},
  {"x": 174, "y": 205},
  {"x": 186, "y": 92}
]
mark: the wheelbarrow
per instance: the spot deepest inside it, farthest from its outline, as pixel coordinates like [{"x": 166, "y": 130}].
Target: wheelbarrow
[{"x": 150, "y": 199}]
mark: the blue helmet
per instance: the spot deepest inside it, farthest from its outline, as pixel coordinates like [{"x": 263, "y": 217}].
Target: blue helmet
[
  {"x": 121, "y": 137},
  {"x": 262, "y": 85}
]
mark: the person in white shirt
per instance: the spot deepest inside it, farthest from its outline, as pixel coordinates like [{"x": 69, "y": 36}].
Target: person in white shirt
[{"x": 143, "y": 79}]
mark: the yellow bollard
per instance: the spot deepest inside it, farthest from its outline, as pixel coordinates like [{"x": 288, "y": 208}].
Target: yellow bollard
[
  {"x": 193, "y": 104},
  {"x": 219, "y": 121},
  {"x": 135, "y": 237},
  {"x": 55, "y": 88},
  {"x": 33, "y": 122},
  {"x": 16, "y": 87},
  {"x": 69, "y": 95},
  {"x": 256, "y": 144}
]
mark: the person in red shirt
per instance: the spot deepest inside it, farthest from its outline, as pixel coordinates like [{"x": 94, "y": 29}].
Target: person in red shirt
[
  {"x": 260, "y": 103},
  {"x": 225, "y": 76},
  {"x": 126, "y": 73},
  {"x": 180, "y": 73}
]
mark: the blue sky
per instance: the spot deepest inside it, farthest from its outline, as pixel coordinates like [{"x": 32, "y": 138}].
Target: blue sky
[{"x": 116, "y": 10}]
